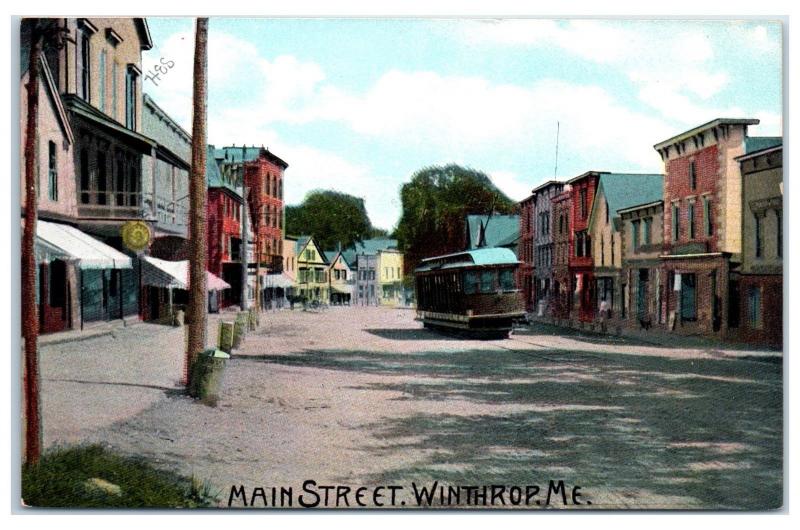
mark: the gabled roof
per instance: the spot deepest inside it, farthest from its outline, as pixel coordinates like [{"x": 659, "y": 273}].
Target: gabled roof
[
  {"x": 144, "y": 33},
  {"x": 214, "y": 177},
  {"x": 331, "y": 256},
  {"x": 237, "y": 155},
  {"x": 501, "y": 230},
  {"x": 758, "y": 143},
  {"x": 545, "y": 185},
  {"x": 375, "y": 245},
  {"x": 623, "y": 190},
  {"x": 303, "y": 242}
]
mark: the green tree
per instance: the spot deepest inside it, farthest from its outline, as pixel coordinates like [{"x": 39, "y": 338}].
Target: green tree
[
  {"x": 435, "y": 203},
  {"x": 331, "y": 218}
]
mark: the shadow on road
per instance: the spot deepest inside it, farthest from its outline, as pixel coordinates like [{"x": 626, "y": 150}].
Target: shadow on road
[
  {"x": 409, "y": 334},
  {"x": 638, "y": 431}
]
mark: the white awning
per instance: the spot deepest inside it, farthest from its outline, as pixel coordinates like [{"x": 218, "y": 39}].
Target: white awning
[
  {"x": 280, "y": 280},
  {"x": 342, "y": 288},
  {"x": 175, "y": 274},
  {"x": 59, "y": 241}
]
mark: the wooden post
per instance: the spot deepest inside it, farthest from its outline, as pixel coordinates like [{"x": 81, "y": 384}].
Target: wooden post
[{"x": 197, "y": 309}]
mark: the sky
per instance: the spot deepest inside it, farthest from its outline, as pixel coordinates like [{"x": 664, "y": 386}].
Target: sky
[{"x": 359, "y": 105}]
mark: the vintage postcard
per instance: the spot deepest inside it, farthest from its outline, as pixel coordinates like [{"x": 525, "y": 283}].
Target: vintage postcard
[{"x": 401, "y": 263}]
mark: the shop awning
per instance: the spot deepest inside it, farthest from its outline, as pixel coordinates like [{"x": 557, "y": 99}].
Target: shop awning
[
  {"x": 342, "y": 288},
  {"x": 279, "y": 280},
  {"x": 175, "y": 274},
  {"x": 59, "y": 241}
]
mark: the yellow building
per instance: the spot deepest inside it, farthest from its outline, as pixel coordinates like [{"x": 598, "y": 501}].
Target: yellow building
[
  {"x": 312, "y": 270},
  {"x": 390, "y": 277}
]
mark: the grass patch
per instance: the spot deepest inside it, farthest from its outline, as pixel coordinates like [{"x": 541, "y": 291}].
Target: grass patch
[{"x": 93, "y": 477}]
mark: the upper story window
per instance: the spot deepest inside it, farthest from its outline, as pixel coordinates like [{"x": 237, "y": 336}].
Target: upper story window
[
  {"x": 676, "y": 225},
  {"x": 692, "y": 176},
  {"x": 584, "y": 205},
  {"x": 102, "y": 79},
  {"x": 648, "y": 230},
  {"x": 52, "y": 173},
  {"x": 635, "y": 235},
  {"x": 131, "y": 92},
  {"x": 85, "y": 69}
]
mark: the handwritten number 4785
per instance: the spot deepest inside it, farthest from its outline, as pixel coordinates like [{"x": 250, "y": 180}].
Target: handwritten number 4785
[{"x": 160, "y": 69}]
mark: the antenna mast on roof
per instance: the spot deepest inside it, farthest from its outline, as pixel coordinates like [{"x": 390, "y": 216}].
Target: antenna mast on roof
[{"x": 558, "y": 130}]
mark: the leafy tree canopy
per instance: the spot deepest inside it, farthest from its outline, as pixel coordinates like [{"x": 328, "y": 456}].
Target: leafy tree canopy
[
  {"x": 331, "y": 217},
  {"x": 435, "y": 203}
]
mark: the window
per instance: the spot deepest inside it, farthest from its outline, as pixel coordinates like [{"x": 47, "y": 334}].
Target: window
[
  {"x": 114, "y": 105},
  {"x": 85, "y": 181},
  {"x": 648, "y": 232},
  {"x": 583, "y": 203},
  {"x": 708, "y": 226},
  {"x": 52, "y": 173},
  {"x": 102, "y": 175},
  {"x": 471, "y": 282},
  {"x": 635, "y": 235},
  {"x": 507, "y": 280},
  {"x": 676, "y": 224},
  {"x": 690, "y": 214},
  {"x": 85, "y": 65},
  {"x": 130, "y": 98},
  {"x": 102, "y": 76},
  {"x": 606, "y": 212},
  {"x": 692, "y": 175},
  {"x": 759, "y": 242},
  {"x": 754, "y": 308},
  {"x": 688, "y": 297},
  {"x": 602, "y": 250},
  {"x": 487, "y": 281}
]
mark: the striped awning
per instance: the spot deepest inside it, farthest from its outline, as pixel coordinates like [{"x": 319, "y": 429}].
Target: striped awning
[
  {"x": 60, "y": 241},
  {"x": 175, "y": 274},
  {"x": 279, "y": 280}
]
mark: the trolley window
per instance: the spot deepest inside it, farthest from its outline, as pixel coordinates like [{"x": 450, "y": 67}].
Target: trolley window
[
  {"x": 507, "y": 280},
  {"x": 471, "y": 281},
  {"x": 487, "y": 281}
]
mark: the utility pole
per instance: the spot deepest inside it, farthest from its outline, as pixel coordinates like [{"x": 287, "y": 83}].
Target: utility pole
[
  {"x": 30, "y": 313},
  {"x": 197, "y": 308}
]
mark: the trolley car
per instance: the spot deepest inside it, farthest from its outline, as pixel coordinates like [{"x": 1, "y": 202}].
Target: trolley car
[{"x": 472, "y": 293}]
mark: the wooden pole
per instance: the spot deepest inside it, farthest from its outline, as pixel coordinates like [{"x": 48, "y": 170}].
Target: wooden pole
[
  {"x": 30, "y": 313},
  {"x": 197, "y": 309}
]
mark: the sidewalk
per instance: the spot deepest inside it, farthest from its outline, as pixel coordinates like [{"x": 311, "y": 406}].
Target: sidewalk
[
  {"x": 658, "y": 337},
  {"x": 89, "y": 331}
]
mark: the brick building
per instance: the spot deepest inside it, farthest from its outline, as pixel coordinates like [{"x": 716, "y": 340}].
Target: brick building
[
  {"x": 561, "y": 296},
  {"x": 525, "y": 251},
  {"x": 581, "y": 265},
  {"x": 703, "y": 224},
  {"x": 224, "y": 229},
  {"x": 760, "y": 281}
]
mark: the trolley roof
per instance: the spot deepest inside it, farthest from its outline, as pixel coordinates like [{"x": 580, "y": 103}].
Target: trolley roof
[{"x": 470, "y": 258}]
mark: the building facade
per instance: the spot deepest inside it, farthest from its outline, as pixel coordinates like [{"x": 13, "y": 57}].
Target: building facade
[
  {"x": 312, "y": 271},
  {"x": 641, "y": 282},
  {"x": 561, "y": 293},
  {"x": 525, "y": 251},
  {"x": 223, "y": 228},
  {"x": 340, "y": 278},
  {"x": 616, "y": 191},
  {"x": 581, "y": 264},
  {"x": 544, "y": 247},
  {"x": 97, "y": 74},
  {"x": 760, "y": 282},
  {"x": 367, "y": 279},
  {"x": 703, "y": 224},
  {"x": 390, "y": 276}
]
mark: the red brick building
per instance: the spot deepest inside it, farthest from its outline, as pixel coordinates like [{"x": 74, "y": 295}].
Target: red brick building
[
  {"x": 224, "y": 217},
  {"x": 561, "y": 300},
  {"x": 703, "y": 225},
  {"x": 581, "y": 265},
  {"x": 525, "y": 251},
  {"x": 262, "y": 174}
]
